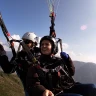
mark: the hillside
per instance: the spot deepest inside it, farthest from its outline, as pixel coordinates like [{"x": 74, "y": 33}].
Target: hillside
[
  {"x": 85, "y": 72},
  {"x": 10, "y": 85}
]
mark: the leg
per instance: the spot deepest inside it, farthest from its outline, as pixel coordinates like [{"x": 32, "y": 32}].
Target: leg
[
  {"x": 83, "y": 89},
  {"x": 26, "y": 93},
  {"x": 69, "y": 94}
]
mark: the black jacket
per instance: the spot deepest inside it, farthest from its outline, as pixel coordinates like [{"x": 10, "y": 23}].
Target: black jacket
[
  {"x": 20, "y": 64},
  {"x": 48, "y": 76}
]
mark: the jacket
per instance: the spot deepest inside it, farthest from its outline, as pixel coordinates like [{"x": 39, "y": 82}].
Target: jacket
[
  {"x": 20, "y": 64},
  {"x": 50, "y": 74}
]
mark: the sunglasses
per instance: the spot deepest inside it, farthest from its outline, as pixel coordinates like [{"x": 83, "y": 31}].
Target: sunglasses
[{"x": 27, "y": 41}]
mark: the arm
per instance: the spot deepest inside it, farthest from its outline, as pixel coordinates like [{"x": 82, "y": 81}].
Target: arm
[
  {"x": 4, "y": 62},
  {"x": 69, "y": 63},
  {"x": 33, "y": 85}
]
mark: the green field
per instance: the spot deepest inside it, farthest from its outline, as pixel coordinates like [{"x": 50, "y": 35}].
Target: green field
[{"x": 10, "y": 85}]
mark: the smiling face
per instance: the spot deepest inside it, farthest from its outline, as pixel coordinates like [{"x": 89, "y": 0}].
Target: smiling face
[{"x": 46, "y": 47}]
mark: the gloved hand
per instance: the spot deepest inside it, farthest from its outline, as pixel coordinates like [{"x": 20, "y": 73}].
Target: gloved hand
[
  {"x": 2, "y": 51},
  {"x": 64, "y": 55}
]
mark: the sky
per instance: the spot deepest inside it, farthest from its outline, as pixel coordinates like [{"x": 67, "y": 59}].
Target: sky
[{"x": 75, "y": 24}]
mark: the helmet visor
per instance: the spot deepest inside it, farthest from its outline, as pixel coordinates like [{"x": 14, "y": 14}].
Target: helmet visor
[{"x": 27, "y": 41}]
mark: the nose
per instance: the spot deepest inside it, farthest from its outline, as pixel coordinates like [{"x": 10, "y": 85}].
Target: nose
[{"x": 44, "y": 45}]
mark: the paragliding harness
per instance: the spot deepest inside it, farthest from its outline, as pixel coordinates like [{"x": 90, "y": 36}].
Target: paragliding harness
[{"x": 60, "y": 75}]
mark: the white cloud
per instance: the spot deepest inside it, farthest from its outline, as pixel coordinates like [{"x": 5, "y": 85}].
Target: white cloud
[
  {"x": 1, "y": 42},
  {"x": 65, "y": 45},
  {"x": 92, "y": 24},
  {"x": 80, "y": 54},
  {"x": 83, "y": 27},
  {"x": 84, "y": 58},
  {"x": 17, "y": 37},
  {"x": 7, "y": 46},
  {"x": 72, "y": 53}
]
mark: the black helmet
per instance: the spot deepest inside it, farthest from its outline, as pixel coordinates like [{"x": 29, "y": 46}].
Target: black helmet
[{"x": 53, "y": 41}]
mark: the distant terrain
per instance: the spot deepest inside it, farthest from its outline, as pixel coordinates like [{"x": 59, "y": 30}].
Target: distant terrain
[{"x": 85, "y": 72}]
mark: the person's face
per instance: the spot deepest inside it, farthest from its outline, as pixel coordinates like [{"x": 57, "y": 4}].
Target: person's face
[
  {"x": 29, "y": 43},
  {"x": 46, "y": 47}
]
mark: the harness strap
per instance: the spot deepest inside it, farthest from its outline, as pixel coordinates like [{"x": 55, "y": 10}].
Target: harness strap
[{"x": 58, "y": 68}]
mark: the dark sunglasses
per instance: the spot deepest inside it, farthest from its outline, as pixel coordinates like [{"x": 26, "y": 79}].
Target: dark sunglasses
[{"x": 27, "y": 41}]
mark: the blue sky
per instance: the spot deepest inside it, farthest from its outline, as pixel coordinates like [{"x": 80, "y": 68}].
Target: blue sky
[{"x": 75, "y": 23}]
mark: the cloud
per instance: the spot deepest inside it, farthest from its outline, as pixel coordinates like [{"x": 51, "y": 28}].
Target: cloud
[
  {"x": 84, "y": 58},
  {"x": 17, "y": 37},
  {"x": 92, "y": 24},
  {"x": 72, "y": 53},
  {"x": 80, "y": 54},
  {"x": 83, "y": 27},
  {"x": 65, "y": 45},
  {"x": 7, "y": 46}
]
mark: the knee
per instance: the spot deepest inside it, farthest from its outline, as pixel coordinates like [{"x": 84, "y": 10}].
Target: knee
[
  {"x": 88, "y": 86},
  {"x": 91, "y": 85},
  {"x": 70, "y": 94}
]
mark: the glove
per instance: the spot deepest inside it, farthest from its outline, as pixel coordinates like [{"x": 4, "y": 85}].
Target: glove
[
  {"x": 2, "y": 51},
  {"x": 64, "y": 55}
]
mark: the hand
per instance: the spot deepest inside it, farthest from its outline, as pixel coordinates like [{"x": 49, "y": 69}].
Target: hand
[
  {"x": 47, "y": 93},
  {"x": 2, "y": 51},
  {"x": 64, "y": 55}
]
